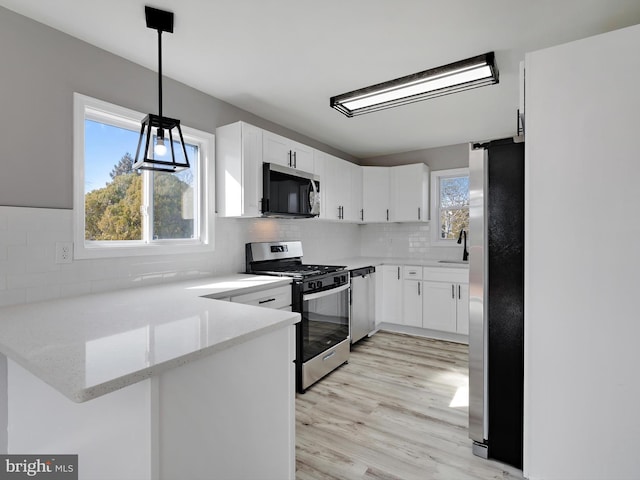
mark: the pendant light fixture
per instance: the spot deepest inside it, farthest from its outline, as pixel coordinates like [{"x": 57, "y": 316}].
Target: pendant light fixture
[
  {"x": 156, "y": 128},
  {"x": 455, "y": 77}
]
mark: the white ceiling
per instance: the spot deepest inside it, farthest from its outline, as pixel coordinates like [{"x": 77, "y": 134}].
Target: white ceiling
[{"x": 284, "y": 59}]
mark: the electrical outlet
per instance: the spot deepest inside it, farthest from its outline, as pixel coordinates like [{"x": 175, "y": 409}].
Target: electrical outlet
[{"x": 64, "y": 252}]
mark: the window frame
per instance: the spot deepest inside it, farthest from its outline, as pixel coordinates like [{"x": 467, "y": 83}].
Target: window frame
[
  {"x": 436, "y": 176},
  {"x": 85, "y": 107}
]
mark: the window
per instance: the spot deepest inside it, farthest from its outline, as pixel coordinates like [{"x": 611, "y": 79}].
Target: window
[
  {"x": 450, "y": 203},
  {"x": 119, "y": 211}
]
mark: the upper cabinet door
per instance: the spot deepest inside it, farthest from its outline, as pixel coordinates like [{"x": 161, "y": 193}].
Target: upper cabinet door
[
  {"x": 285, "y": 152},
  {"x": 238, "y": 170},
  {"x": 375, "y": 194},
  {"x": 410, "y": 193},
  {"x": 355, "y": 212},
  {"x": 340, "y": 187},
  {"x": 334, "y": 185},
  {"x": 302, "y": 157},
  {"x": 276, "y": 149}
]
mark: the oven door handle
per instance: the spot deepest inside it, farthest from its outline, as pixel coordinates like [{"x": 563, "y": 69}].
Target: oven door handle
[{"x": 324, "y": 293}]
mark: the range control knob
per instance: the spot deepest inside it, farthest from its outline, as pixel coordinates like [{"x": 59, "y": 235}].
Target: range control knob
[
  {"x": 319, "y": 284},
  {"x": 312, "y": 285}
]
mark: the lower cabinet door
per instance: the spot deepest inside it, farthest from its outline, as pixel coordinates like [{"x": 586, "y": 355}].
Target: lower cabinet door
[
  {"x": 439, "y": 306},
  {"x": 412, "y": 304}
]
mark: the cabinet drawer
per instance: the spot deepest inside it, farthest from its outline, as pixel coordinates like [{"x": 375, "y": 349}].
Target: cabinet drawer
[
  {"x": 273, "y": 298},
  {"x": 441, "y": 274},
  {"x": 411, "y": 272}
]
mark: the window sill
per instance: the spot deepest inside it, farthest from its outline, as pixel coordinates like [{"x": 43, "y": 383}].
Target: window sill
[{"x": 82, "y": 252}]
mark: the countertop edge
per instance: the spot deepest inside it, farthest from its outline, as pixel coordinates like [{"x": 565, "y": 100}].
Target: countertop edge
[
  {"x": 110, "y": 386},
  {"x": 278, "y": 282}
]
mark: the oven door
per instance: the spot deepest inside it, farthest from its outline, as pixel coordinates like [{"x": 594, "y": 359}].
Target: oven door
[{"x": 325, "y": 320}]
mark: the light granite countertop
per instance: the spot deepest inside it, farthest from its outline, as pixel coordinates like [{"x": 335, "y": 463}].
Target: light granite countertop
[
  {"x": 91, "y": 345},
  {"x": 358, "y": 262}
]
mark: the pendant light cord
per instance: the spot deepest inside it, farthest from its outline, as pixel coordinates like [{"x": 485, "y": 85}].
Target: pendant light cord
[{"x": 160, "y": 76}]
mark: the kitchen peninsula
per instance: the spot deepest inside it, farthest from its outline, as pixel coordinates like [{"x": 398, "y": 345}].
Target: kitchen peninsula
[{"x": 155, "y": 382}]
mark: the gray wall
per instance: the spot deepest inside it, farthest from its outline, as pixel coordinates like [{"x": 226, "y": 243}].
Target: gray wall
[
  {"x": 41, "y": 68},
  {"x": 441, "y": 158}
]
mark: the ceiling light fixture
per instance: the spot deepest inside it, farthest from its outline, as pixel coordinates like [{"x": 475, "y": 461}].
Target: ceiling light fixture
[
  {"x": 456, "y": 77},
  {"x": 157, "y": 126}
]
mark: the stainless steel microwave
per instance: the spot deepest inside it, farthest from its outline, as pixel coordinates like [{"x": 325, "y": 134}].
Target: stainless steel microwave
[{"x": 289, "y": 193}]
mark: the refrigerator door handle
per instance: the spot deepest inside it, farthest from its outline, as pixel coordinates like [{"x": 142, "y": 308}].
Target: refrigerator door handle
[{"x": 478, "y": 411}]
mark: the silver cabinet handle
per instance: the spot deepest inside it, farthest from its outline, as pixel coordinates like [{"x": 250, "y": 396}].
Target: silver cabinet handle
[
  {"x": 290, "y": 159},
  {"x": 387, "y": 214},
  {"x": 295, "y": 160},
  {"x": 418, "y": 213},
  {"x": 453, "y": 291},
  {"x": 398, "y": 273},
  {"x": 418, "y": 288},
  {"x": 459, "y": 297},
  {"x": 266, "y": 301},
  {"x": 362, "y": 214}
]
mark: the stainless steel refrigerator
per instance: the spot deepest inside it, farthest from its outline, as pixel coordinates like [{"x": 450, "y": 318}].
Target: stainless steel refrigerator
[{"x": 496, "y": 299}]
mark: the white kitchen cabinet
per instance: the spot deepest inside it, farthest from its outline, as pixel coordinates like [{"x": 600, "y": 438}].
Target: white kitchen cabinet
[
  {"x": 335, "y": 181},
  {"x": 283, "y": 151},
  {"x": 409, "y": 187},
  {"x": 340, "y": 187},
  {"x": 412, "y": 296},
  {"x": 179, "y": 422},
  {"x": 356, "y": 212},
  {"x": 238, "y": 170},
  {"x": 389, "y": 292},
  {"x": 375, "y": 194},
  {"x": 439, "y": 306},
  {"x": 279, "y": 297},
  {"x": 446, "y": 300},
  {"x": 396, "y": 194}
]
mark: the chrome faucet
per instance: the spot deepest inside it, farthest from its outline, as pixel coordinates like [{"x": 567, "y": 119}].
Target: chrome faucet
[{"x": 465, "y": 252}]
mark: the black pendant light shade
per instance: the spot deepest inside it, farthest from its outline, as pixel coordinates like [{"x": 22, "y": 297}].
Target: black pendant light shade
[{"x": 156, "y": 129}]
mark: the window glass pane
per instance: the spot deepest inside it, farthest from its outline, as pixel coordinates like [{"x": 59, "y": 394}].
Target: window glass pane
[
  {"x": 452, "y": 221},
  {"x": 454, "y": 192},
  {"x": 454, "y": 206},
  {"x": 113, "y": 191},
  {"x": 174, "y": 199}
]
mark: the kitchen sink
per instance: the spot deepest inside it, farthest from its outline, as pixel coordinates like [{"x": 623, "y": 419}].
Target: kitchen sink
[{"x": 458, "y": 262}]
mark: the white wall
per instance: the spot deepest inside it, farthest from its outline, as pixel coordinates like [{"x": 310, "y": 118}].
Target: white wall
[
  {"x": 582, "y": 326},
  {"x": 439, "y": 158},
  {"x": 41, "y": 71}
]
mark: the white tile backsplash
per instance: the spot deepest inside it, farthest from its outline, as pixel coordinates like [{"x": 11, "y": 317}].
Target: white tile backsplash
[
  {"x": 28, "y": 272},
  {"x": 403, "y": 240}
]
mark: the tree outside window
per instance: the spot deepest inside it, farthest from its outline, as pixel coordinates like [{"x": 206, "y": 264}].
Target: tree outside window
[
  {"x": 454, "y": 206},
  {"x": 116, "y": 210}
]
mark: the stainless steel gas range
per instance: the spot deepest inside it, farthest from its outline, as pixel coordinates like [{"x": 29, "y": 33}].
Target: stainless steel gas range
[{"x": 320, "y": 293}]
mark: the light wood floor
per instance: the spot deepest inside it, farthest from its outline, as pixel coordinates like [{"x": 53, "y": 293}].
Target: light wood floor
[{"x": 386, "y": 415}]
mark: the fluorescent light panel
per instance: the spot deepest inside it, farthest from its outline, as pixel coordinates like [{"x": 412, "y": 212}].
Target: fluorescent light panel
[{"x": 463, "y": 75}]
